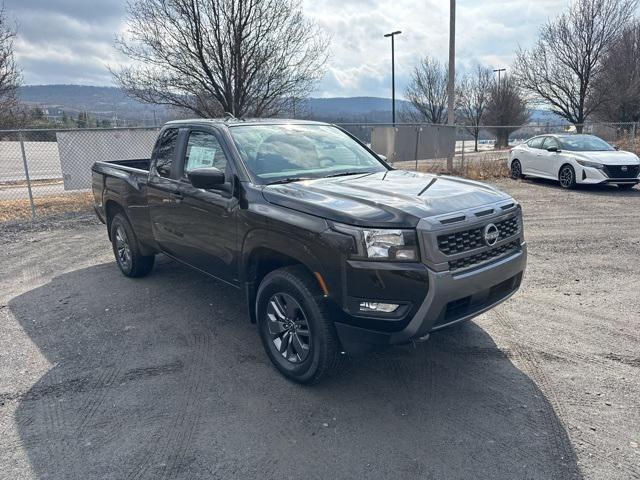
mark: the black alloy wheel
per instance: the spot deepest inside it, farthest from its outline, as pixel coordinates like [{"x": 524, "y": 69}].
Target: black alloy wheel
[{"x": 288, "y": 327}]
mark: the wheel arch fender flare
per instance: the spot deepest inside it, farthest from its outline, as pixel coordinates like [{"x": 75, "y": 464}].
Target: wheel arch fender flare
[{"x": 282, "y": 250}]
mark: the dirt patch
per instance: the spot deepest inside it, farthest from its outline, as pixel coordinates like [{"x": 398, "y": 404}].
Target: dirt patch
[
  {"x": 45, "y": 205},
  {"x": 103, "y": 376}
]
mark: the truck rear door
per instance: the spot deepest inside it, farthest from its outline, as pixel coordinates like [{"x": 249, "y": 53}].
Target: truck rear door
[{"x": 163, "y": 189}]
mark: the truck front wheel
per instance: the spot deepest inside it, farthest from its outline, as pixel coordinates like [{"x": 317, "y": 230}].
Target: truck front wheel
[
  {"x": 125, "y": 248},
  {"x": 295, "y": 327}
]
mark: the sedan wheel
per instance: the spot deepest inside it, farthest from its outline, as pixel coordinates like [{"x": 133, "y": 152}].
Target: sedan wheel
[
  {"x": 516, "y": 170},
  {"x": 567, "y": 177}
]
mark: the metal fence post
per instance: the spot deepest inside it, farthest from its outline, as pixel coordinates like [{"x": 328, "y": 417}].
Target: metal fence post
[
  {"x": 26, "y": 174},
  {"x": 417, "y": 144},
  {"x": 462, "y": 159}
]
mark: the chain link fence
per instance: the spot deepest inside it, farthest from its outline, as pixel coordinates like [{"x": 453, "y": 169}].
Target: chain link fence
[
  {"x": 481, "y": 153},
  {"x": 49, "y": 171}
]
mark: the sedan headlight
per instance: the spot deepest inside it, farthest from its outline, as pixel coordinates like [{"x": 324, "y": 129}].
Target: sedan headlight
[
  {"x": 586, "y": 163},
  {"x": 382, "y": 243}
]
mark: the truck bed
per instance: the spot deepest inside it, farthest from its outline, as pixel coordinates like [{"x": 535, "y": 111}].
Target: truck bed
[{"x": 138, "y": 163}]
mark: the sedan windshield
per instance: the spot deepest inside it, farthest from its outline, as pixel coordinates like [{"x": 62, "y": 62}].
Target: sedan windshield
[
  {"x": 290, "y": 152},
  {"x": 584, "y": 143}
]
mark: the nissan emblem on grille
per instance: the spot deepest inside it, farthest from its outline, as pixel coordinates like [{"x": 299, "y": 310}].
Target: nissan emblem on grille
[
  {"x": 491, "y": 234},
  {"x": 624, "y": 168}
]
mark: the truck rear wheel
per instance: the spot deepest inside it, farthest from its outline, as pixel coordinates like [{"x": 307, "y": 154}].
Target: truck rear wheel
[
  {"x": 126, "y": 250},
  {"x": 294, "y": 325}
]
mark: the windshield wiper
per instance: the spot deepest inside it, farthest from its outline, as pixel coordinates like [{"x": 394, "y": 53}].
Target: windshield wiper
[
  {"x": 344, "y": 174},
  {"x": 289, "y": 180}
]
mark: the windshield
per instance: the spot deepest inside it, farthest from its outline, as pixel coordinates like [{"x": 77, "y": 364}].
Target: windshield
[
  {"x": 584, "y": 143},
  {"x": 277, "y": 153}
]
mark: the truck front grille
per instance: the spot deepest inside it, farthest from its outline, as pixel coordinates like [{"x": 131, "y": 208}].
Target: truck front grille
[
  {"x": 622, "y": 171},
  {"x": 482, "y": 257},
  {"x": 464, "y": 241}
]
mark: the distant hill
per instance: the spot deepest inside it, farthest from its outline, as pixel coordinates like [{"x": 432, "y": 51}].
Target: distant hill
[
  {"x": 111, "y": 102},
  {"x": 101, "y": 102}
]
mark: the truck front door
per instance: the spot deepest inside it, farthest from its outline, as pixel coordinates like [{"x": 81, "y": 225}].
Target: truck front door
[{"x": 206, "y": 219}]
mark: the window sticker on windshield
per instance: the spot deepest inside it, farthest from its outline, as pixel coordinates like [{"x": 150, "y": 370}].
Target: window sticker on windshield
[{"x": 201, "y": 157}]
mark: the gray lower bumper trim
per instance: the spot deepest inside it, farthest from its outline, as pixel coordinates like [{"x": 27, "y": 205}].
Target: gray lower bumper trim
[{"x": 445, "y": 287}]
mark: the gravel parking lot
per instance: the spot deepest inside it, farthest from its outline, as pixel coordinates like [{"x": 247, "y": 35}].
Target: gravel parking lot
[{"x": 163, "y": 377}]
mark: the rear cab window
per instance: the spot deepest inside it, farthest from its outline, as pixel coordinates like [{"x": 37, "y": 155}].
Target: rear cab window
[{"x": 165, "y": 152}]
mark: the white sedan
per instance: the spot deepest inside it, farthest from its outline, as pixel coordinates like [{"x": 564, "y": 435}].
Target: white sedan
[{"x": 572, "y": 159}]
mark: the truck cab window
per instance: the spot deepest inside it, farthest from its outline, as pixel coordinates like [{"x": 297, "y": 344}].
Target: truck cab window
[
  {"x": 165, "y": 152},
  {"x": 203, "y": 151}
]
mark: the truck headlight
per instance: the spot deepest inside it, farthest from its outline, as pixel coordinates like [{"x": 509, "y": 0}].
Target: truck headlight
[
  {"x": 394, "y": 245},
  {"x": 390, "y": 244},
  {"x": 586, "y": 163}
]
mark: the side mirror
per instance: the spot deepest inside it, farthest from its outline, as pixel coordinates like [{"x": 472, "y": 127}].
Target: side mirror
[
  {"x": 206, "y": 178},
  {"x": 553, "y": 149},
  {"x": 616, "y": 147}
]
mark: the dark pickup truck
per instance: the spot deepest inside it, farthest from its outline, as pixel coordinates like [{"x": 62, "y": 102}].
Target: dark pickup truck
[{"x": 335, "y": 251}]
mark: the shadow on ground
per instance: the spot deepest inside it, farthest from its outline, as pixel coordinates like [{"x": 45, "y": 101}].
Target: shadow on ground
[
  {"x": 602, "y": 189},
  {"x": 164, "y": 377}
]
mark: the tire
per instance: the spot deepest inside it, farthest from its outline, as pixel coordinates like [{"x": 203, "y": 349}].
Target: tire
[
  {"x": 567, "y": 177},
  {"x": 626, "y": 186},
  {"x": 292, "y": 315},
  {"x": 516, "y": 170},
  {"x": 126, "y": 250}
]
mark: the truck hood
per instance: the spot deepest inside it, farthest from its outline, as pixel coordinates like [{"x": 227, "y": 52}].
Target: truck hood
[
  {"x": 607, "y": 158},
  {"x": 386, "y": 199}
]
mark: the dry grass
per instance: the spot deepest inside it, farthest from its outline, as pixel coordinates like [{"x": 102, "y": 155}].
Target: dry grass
[
  {"x": 478, "y": 166},
  {"x": 35, "y": 183},
  {"x": 629, "y": 144},
  {"x": 45, "y": 206}
]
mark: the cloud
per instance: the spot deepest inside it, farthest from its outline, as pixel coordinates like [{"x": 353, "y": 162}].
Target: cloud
[{"x": 71, "y": 41}]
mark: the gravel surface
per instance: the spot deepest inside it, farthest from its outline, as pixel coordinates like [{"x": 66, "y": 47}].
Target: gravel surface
[{"x": 104, "y": 377}]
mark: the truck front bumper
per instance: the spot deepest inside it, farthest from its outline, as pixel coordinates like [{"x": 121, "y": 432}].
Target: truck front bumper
[{"x": 451, "y": 298}]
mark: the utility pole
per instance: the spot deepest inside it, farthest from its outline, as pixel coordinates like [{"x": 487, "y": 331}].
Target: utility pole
[
  {"x": 451, "y": 114},
  {"x": 393, "y": 75}
]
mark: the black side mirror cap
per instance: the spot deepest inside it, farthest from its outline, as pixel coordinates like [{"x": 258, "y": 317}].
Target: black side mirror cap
[
  {"x": 207, "y": 178},
  {"x": 553, "y": 149}
]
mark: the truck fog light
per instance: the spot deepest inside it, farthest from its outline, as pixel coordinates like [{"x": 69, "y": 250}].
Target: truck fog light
[
  {"x": 378, "y": 307},
  {"x": 408, "y": 254}
]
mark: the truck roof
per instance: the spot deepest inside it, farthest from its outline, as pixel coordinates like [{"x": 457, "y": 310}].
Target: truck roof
[{"x": 230, "y": 122}]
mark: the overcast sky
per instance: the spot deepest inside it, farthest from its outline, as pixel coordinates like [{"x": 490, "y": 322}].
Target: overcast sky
[{"x": 71, "y": 41}]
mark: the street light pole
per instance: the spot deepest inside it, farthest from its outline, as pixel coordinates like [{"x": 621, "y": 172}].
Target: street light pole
[
  {"x": 499, "y": 70},
  {"x": 393, "y": 75}
]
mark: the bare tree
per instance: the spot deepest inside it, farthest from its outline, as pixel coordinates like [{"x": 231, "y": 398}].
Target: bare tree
[
  {"x": 566, "y": 61},
  {"x": 10, "y": 76},
  {"x": 619, "y": 84},
  {"x": 427, "y": 91},
  {"x": 506, "y": 109},
  {"x": 244, "y": 57},
  {"x": 473, "y": 100}
]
